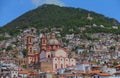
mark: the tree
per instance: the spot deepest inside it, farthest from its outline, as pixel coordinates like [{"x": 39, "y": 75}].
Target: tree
[
  {"x": 112, "y": 48},
  {"x": 115, "y": 63},
  {"x": 9, "y": 48},
  {"x": 3, "y": 38},
  {"x": 24, "y": 52}
]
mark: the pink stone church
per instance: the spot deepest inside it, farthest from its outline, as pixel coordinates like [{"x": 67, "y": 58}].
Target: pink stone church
[{"x": 51, "y": 51}]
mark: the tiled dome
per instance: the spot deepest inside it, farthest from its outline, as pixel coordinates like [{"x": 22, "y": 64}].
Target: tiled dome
[{"x": 53, "y": 42}]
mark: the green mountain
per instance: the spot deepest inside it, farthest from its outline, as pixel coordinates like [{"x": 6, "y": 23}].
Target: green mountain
[{"x": 48, "y": 16}]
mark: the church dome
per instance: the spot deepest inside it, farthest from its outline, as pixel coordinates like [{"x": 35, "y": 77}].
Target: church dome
[{"x": 53, "y": 42}]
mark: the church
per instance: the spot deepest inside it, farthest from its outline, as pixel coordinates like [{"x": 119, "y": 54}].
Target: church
[{"x": 51, "y": 51}]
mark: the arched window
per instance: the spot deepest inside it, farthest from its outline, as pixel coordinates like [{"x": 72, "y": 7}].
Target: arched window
[
  {"x": 48, "y": 56},
  {"x": 30, "y": 40},
  {"x": 66, "y": 65},
  {"x": 55, "y": 66},
  {"x": 30, "y": 50},
  {"x": 61, "y": 65},
  {"x": 44, "y": 41}
]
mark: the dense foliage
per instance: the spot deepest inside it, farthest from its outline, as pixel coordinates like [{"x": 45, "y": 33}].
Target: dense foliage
[
  {"x": 3, "y": 38},
  {"x": 54, "y": 16}
]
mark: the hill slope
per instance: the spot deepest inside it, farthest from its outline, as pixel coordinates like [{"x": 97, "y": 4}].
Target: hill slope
[{"x": 55, "y": 16}]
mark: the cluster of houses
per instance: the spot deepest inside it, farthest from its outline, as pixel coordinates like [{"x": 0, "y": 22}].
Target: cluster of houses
[
  {"x": 80, "y": 70},
  {"x": 30, "y": 55},
  {"x": 13, "y": 71},
  {"x": 105, "y": 49}
]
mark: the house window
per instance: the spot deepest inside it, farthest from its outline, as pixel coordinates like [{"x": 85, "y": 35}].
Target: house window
[
  {"x": 14, "y": 76},
  {"x": 86, "y": 68},
  {"x": 40, "y": 76},
  {"x": 44, "y": 76},
  {"x": 51, "y": 55}
]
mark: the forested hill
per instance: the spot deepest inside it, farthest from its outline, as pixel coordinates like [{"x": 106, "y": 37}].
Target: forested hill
[{"x": 55, "y": 16}]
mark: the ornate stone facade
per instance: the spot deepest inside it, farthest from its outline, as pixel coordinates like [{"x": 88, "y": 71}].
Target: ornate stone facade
[{"x": 51, "y": 51}]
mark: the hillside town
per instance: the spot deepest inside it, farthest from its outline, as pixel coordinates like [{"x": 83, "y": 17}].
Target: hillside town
[{"x": 50, "y": 55}]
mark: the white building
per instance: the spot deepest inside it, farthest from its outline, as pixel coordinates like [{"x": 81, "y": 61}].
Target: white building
[
  {"x": 83, "y": 67},
  {"x": 14, "y": 73}
]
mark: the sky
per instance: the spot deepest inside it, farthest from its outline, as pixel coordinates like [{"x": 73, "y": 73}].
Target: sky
[{"x": 12, "y": 9}]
